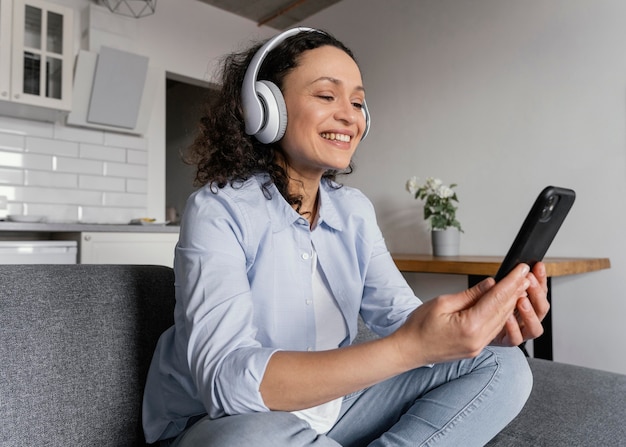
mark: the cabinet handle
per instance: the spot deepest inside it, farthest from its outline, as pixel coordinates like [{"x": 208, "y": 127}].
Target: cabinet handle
[{"x": 87, "y": 238}]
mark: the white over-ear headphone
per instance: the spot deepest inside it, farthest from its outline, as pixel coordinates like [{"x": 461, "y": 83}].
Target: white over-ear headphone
[{"x": 264, "y": 110}]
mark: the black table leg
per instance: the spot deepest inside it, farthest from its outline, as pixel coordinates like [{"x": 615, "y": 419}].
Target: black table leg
[
  {"x": 542, "y": 346},
  {"x": 472, "y": 280}
]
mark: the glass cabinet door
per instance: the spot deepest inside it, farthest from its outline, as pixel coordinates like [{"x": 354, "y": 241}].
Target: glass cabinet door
[
  {"x": 42, "y": 56},
  {"x": 31, "y": 76}
]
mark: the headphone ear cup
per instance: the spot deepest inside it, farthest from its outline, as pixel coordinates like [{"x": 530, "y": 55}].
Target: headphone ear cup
[{"x": 275, "y": 119}]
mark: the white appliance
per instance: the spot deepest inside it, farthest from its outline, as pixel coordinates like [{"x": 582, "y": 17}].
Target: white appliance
[{"x": 38, "y": 252}]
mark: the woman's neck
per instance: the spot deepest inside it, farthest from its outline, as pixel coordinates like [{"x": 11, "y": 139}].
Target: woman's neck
[
  {"x": 308, "y": 194},
  {"x": 305, "y": 186}
]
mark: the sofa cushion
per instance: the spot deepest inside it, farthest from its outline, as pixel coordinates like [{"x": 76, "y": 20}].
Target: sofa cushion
[
  {"x": 75, "y": 344},
  {"x": 569, "y": 406}
]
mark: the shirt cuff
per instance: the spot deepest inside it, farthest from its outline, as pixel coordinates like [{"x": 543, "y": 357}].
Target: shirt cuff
[{"x": 238, "y": 381}]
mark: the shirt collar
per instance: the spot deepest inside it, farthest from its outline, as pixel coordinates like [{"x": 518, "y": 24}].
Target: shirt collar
[
  {"x": 328, "y": 214},
  {"x": 286, "y": 215}
]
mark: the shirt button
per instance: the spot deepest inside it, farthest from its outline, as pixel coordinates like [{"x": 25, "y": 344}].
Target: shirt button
[{"x": 305, "y": 256}]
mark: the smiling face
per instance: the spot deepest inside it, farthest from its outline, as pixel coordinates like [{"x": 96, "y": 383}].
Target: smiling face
[{"x": 324, "y": 96}]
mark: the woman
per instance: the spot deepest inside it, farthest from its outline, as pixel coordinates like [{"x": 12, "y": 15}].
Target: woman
[{"x": 274, "y": 265}]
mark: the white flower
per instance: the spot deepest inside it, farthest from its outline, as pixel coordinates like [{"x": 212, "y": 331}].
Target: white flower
[
  {"x": 433, "y": 183},
  {"x": 412, "y": 186},
  {"x": 444, "y": 192}
]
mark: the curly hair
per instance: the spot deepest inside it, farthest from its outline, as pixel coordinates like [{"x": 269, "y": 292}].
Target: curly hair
[{"x": 222, "y": 152}]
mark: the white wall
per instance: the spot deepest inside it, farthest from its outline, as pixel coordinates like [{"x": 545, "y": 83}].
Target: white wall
[{"x": 503, "y": 98}]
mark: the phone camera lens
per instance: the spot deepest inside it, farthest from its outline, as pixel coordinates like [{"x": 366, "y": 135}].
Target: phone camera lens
[{"x": 547, "y": 210}]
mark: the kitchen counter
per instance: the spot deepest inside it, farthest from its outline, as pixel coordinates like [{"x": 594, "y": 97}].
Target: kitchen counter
[
  {"x": 102, "y": 243},
  {"x": 6, "y": 227}
]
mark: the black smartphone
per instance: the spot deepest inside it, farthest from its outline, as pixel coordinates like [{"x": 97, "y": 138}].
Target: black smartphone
[{"x": 539, "y": 229}]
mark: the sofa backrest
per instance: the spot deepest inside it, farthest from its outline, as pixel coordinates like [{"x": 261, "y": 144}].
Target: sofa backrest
[{"x": 75, "y": 345}]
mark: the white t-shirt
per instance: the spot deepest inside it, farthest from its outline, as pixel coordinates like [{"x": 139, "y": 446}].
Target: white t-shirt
[{"x": 327, "y": 316}]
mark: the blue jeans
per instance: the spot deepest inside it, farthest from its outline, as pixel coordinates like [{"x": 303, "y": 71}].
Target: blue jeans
[{"x": 466, "y": 403}]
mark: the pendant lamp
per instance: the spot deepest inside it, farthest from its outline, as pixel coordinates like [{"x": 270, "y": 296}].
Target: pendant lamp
[{"x": 131, "y": 8}]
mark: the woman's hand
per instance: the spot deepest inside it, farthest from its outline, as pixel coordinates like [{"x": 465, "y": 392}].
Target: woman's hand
[
  {"x": 525, "y": 322},
  {"x": 460, "y": 325}
]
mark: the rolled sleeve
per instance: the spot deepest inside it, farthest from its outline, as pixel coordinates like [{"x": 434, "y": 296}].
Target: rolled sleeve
[{"x": 238, "y": 380}]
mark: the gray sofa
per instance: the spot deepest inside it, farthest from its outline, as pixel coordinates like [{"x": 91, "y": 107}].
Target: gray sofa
[{"x": 76, "y": 342}]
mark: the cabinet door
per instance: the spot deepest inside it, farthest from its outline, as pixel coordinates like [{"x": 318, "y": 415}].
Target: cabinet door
[
  {"x": 5, "y": 48},
  {"x": 42, "y": 56},
  {"x": 127, "y": 248}
]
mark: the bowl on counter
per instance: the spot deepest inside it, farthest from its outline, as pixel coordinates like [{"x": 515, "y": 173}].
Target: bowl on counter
[{"x": 25, "y": 218}]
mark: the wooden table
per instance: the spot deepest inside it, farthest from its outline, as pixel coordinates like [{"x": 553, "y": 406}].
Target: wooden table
[{"x": 478, "y": 267}]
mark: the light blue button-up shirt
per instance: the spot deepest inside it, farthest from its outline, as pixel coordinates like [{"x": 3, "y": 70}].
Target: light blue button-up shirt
[{"x": 243, "y": 291}]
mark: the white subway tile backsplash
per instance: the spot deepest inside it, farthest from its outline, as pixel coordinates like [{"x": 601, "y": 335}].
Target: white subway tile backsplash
[
  {"x": 15, "y": 208},
  {"x": 78, "y": 134},
  {"x": 11, "y": 159},
  {"x": 137, "y": 157},
  {"x": 138, "y": 186},
  {"x": 126, "y": 141},
  {"x": 78, "y": 165},
  {"x": 124, "y": 170},
  {"x": 11, "y": 176},
  {"x": 100, "y": 183},
  {"x": 71, "y": 173},
  {"x": 124, "y": 200},
  {"x": 12, "y": 142},
  {"x": 55, "y": 212},
  {"x": 101, "y": 152},
  {"x": 26, "y": 161},
  {"x": 50, "y": 179},
  {"x": 36, "y": 161},
  {"x": 9, "y": 192},
  {"x": 42, "y": 195},
  {"x": 52, "y": 147}
]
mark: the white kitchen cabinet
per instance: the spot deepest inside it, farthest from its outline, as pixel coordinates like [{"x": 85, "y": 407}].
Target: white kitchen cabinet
[
  {"x": 127, "y": 248},
  {"x": 36, "y": 54}
]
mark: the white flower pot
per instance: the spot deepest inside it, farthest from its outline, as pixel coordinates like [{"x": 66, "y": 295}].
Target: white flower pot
[{"x": 446, "y": 242}]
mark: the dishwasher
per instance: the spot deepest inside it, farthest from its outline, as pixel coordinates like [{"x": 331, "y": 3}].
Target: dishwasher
[{"x": 38, "y": 252}]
